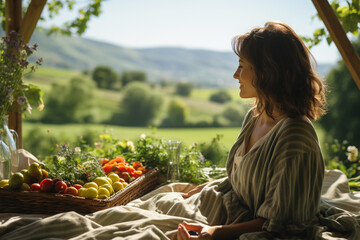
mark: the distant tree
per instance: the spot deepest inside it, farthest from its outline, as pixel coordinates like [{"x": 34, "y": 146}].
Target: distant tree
[
  {"x": 235, "y": 113},
  {"x": 343, "y": 117},
  {"x": 131, "y": 76},
  {"x": 177, "y": 114},
  {"x": 221, "y": 96},
  {"x": 70, "y": 103},
  {"x": 183, "y": 89},
  {"x": 104, "y": 77},
  {"x": 139, "y": 105}
]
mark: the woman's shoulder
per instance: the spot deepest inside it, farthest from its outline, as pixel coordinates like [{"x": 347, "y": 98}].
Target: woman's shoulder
[{"x": 298, "y": 132}]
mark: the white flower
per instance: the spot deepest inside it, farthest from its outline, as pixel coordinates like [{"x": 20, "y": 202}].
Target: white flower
[
  {"x": 77, "y": 150},
  {"x": 352, "y": 149},
  {"x": 130, "y": 144},
  {"x": 352, "y": 153},
  {"x": 97, "y": 144},
  {"x": 28, "y": 108},
  {"x": 143, "y": 136}
]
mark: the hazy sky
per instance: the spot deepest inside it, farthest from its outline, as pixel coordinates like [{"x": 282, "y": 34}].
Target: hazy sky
[{"x": 204, "y": 24}]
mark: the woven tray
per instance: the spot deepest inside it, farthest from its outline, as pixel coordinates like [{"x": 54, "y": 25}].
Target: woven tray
[{"x": 51, "y": 203}]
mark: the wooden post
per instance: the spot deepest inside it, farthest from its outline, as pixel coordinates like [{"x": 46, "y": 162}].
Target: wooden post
[
  {"x": 26, "y": 27},
  {"x": 13, "y": 14},
  {"x": 338, "y": 34}
]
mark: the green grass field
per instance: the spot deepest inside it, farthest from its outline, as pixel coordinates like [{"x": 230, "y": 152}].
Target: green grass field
[{"x": 186, "y": 135}]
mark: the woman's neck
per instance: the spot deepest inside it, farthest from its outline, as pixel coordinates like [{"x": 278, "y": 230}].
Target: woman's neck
[{"x": 265, "y": 119}]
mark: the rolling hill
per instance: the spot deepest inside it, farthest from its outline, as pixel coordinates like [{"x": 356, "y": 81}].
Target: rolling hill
[{"x": 201, "y": 67}]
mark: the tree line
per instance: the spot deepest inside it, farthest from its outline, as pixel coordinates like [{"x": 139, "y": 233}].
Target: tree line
[{"x": 140, "y": 104}]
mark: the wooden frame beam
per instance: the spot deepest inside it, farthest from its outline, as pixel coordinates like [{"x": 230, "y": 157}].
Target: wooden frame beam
[
  {"x": 31, "y": 18},
  {"x": 339, "y": 37}
]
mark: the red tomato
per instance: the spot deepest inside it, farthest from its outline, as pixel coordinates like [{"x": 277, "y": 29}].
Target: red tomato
[
  {"x": 60, "y": 186},
  {"x": 35, "y": 187},
  {"x": 46, "y": 185},
  {"x": 77, "y": 186}
]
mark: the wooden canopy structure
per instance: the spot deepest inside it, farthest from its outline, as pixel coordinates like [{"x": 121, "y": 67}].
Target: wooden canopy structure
[{"x": 26, "y": 27}]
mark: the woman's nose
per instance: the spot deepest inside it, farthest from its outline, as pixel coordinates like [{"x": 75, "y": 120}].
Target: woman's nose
[{"x": 236, "y": 74}]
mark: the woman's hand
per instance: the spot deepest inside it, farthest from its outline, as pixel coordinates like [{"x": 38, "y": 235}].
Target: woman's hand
[
  {"x": 204, "y": 232},
  {"x": 194, "y": 190}
]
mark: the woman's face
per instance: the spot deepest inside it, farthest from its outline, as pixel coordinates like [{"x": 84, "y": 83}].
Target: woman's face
[{"x": 245, "y": 75}]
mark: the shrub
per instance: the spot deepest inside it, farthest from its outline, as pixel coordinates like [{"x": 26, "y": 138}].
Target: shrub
[
  {"x": 221, "y": 96},
  {"x": 183, "y": 89},
  {"x": 71, "y": 103},
  {"x": 235, "y": 113},
  {"x": 139, "y": 105},
  {"x": 104, "y": 77},
  {"x": 132, "y": 76},
  {"x": 176, "y": 114}
]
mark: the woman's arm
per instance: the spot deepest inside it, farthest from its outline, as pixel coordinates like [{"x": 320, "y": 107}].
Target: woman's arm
[
  {"x": 219, "y": 232},
  {"x": 194, "y": 190}
]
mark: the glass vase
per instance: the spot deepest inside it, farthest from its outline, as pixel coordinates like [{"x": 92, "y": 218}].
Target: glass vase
[
  {"x": 173, "y": 150},
  {"x": 9, "y": 159}
]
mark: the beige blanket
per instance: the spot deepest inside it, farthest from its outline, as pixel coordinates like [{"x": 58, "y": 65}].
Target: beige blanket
[{"x": 150, "y": 217}]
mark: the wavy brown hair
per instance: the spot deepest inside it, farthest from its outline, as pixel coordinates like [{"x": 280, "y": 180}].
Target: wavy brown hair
[{"x": 284, "y": 68}]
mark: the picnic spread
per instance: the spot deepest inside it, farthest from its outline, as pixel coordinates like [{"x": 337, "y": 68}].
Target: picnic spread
[{"x": 157, "y": 214}]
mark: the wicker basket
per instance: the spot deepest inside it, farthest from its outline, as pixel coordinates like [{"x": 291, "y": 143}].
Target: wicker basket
[{"x": 50, "y": 203}]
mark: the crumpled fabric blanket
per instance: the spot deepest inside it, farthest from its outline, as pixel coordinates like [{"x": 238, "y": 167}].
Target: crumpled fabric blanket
[{"x": 157, "y": 214}]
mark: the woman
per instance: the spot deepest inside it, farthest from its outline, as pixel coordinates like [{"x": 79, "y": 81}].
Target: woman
[{"x": 275, "y": 167}]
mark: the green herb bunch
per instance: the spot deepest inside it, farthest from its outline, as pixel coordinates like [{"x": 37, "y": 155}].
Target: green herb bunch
[
  {"x": 151, "y": 152},
  {"x": 192, "y": 164},
  {"x": 106, "y": 146},
  {"x": 14, "y": 54},
  {"x": 74, "y": 165}
]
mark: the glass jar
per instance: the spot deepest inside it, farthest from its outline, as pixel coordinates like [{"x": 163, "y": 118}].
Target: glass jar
[{"x": 9, "y": 159}]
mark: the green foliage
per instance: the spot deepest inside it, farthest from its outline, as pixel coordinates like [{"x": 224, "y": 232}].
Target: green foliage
[
  {"x": 344, "y": 157},
  {"x": 349, "y": 17},
  {"x": 221, "y": 96},
  {"x": 342, "y": 120},
  {"x": 73, "y": 165},
  {"x": 183, "y": 89},
  {"x": 214, "y": 151},
  {"x": 132, "y": 76},
  {"x": 234, "y": 114},
  {"x": 177, "y": 114},
  {"x": 149, "y": 150},
  {"x": 77, "y": 25},
  {"x": 139, "y": 105},
  {"x": 70, "y": 103},
  {"x": 104, "y": 77}
]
